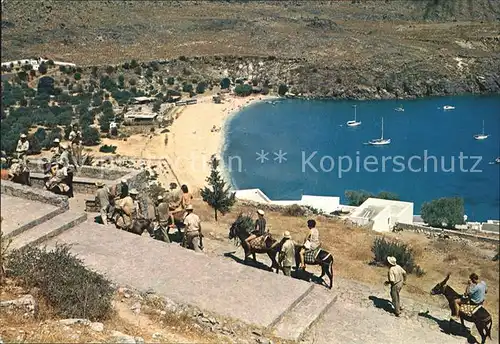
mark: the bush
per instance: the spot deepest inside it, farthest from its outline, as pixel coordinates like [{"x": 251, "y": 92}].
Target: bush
[
  {"x": 171, "y": 80},
  {"x": 42, "y": 68},
  {"x": 383, "y": 248},
  {"x": 294, "y": 210},
  {"x": 244, "y": 222},
  {"x": 70, "y": 288},
  {"x": 77, "y": 76},
  {"x": 200, "y": 88},
  {"x": 356, "y": 198},
  {"x": 107, "y": 149},
  {"x": 243, "y": 90}
]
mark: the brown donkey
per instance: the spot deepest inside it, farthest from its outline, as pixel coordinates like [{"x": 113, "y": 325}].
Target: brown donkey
[{"x": 481, "y": 318}]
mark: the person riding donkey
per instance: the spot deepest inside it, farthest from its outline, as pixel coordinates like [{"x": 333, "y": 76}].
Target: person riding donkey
[
  {"x": 474, "y": 296},
  {"x": 311, "y": 245},
  {"x": 128, "y": 210},
  {"x": 259, "y": 230}
]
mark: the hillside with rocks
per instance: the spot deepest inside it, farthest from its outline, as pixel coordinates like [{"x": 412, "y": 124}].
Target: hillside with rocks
[{"x": 341, "y": 49}]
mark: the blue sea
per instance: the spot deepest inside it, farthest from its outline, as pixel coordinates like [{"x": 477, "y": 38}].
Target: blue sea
[{"x": 295, "y": 147}]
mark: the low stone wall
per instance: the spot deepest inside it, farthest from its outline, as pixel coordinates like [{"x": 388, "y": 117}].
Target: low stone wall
[
  {"x": 441, "y": 232},
  {"x": 92, "y": 172},
  {"x": 33, "y": 194}
]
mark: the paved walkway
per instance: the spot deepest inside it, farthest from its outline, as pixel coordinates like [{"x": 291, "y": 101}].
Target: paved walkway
[{"x": 210, "y": 283}]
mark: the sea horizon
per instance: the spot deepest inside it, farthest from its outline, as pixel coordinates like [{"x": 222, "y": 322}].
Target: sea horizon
[{"x": 305, "y": 147}]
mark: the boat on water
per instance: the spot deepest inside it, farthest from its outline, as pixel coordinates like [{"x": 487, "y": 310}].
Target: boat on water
[
  {"x": 353, "y": 123},
  {"x": 497, "y": 160},
  {"x": 381, "y": 141},
  {"x": 448, "y": 107},
  {"x": 481, "y": 136},
  {"x": 400, "y": 108}
]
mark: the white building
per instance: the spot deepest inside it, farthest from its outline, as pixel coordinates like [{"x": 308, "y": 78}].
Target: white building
[
  {"x": 326, "y": 204},
  {"x": 35, "y": 63},
  {"x": 384, "y": 214}
]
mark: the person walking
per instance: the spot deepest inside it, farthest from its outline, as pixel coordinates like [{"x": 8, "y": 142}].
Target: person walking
[
  {"x": 163, "y": 220},
  {"x": 396, "y": 279},
  {"x": 192, "y": 232},
  {"x": 287, "y": 254},
  {"x": 102, "y": 199}
]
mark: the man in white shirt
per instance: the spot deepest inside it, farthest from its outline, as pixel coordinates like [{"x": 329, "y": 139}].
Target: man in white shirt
[
  {"x": 192, "y": 230},
  {"x": 396, "y": 278}
]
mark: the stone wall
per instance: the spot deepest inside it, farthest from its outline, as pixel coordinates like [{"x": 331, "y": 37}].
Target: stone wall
[
  {"x": 444, "y": 232},
  {"x": 33, "y": 194},
  {"x": 36, "y": 166}
]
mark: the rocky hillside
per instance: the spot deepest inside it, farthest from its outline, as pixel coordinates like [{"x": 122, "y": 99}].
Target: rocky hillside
[{"x": 353, "y": 48}]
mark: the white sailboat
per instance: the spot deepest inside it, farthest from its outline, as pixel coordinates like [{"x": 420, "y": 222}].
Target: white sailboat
[
  {"x": 400, "y": 109},
  {"x": 481, "y": 136},
  {"x": 353, "y": 123},
  {"x": 448, "y": 107},
  {"x": 381, "y": 141}
]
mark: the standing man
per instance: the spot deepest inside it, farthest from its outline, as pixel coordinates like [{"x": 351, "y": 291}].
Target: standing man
[
  {"x": 23, "y": 147},
  {"x": 102, "y": 199},
  {"x": 192, "y": 231},
  {"x": 259, "y": 230},
  {"x": 75, "y": 137},
  {"x": 164, "y": 220},
  {"x": 128, "y": 210},
  {"x": 287, "y": 254},
  {"x": 396, "y": 278},
  {"x": 56, "y": 149}
]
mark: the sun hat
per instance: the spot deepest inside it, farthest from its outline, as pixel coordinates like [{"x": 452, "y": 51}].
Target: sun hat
[
  {"x": 124, "y": 181},
  {"x": 287, "y": 235},
  {"x": 56, "y": 140},
  {"x": 160, "y": 198},
  {"x": 15, "y": 160},
  {"x": 99, "y": 184},
  {"x": 392, "y": 260},
  {"x": 133, "y": 192},
  {"x": 260, "y": 212},
  {"x": 23, "y": 136},
  {"x": 189, "y": 207}
]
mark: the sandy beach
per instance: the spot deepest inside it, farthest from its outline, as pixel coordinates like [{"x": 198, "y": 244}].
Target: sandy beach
[{"x": 191, "y": 142}]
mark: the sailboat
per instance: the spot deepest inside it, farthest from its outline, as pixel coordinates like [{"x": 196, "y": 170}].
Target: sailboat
[
  {"x": 381, "y": 141},
  {"x": 448, "y": 107},
  {"x": 481, "y": 136},
  {"x": 353, "y": 123},
  {"x": 400, "y": 108}
]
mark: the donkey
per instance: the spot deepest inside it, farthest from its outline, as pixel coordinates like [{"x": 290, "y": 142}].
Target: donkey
[
  {"x": 268, "y": 246},
  {"x": 323, "y": 258},
  {"x": 481, "y": 318}
]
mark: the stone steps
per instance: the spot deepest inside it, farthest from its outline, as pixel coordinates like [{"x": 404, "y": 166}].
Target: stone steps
[
  {"x": 295, "y": 322},
  {"x": 48, "y": 229},
  {"x": 21, "y": 214}
]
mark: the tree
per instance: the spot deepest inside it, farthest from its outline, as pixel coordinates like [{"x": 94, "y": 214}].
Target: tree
[
  {"x": 35, "y": 146},
  {"x": 45, "y": 85},
  {"x": 225, "y": 83},
  {"x": 446, "y": 212},
  {"x": 388, "y": 195},
  {"x": 282, "y": 89},
  {"x": 200, "y": 88},
  {"x": 133, "y": 64},
  {"x": 356, "y": 198},
  {"x": 157, "y": 106},
  {"x": 243, "y": 90},
  {"x": 90, "y": 136},
  {"x": 219, "y": 197},
  {"x": 187, "y": 88},
  {"x": 42, "y": 68},
  {"x": 77, "y": 76},
  {"x": 170, "y": 80}
]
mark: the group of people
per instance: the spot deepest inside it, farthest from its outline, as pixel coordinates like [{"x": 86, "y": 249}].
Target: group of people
[
  {"x": 309, "y": 247},
  {"x": 475, "y": 292},
  {"x": 123, "y": 208}
]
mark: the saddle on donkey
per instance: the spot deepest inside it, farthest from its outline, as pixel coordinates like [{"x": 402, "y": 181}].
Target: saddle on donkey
[
  {"x": 469, "y": 309},
  {"x": 259, "y": 243},
  {"x": 311, "y": 255}
]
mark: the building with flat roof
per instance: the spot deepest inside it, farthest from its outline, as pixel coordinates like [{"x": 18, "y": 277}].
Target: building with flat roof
[{"x": 382, "y": 214}]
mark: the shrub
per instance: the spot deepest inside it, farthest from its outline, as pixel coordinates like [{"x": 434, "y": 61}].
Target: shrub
[
  {"x": 225, "y": 83},
  {"x": 200, "y": 88},
  {"x": 294, "y": 210},
  {"x": 42, "y": 68},
  {"x": 70, "y": 288},
  {"x": 170, "y": 80},
  {"x": 107, "y": 149},
  {"x": 132, "y": 82},
  {"x": 133, "y": 64},
  {"x": 383, "y": 248},
  {"x": 243, "y": 222},
  {"x": 77, "y": 76}
]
